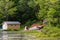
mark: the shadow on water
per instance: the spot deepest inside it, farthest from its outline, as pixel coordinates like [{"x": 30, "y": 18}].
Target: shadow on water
[{"x": 4, "y": 35}]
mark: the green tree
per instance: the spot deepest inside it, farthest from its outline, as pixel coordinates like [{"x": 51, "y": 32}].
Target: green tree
[
  {"x": 7, "y": 7},
  {"x": 26, "y": 10},
  {"x": 49, "y": 9}
]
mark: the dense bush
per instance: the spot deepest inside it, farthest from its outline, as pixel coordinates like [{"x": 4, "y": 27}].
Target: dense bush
[{"x": 45, "y": 32}]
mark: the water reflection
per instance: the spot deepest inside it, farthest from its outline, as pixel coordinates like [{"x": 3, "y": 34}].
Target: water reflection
[
  {"x": 11, "y": 36},
  {"x": 4, "y": 35}
]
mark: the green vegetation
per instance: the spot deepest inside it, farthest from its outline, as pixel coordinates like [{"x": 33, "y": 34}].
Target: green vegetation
[
  {"x": 33, "y": 11},
  {"x": 46, "y": 32},
  {"x": 30, "y": 11}
]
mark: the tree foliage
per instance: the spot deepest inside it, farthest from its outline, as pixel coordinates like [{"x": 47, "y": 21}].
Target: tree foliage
[
  {"x": 30, "y": 11},
  {"x": 7, "y": 8}
]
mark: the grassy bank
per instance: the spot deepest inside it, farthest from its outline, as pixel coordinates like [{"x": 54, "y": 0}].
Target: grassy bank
[
  {"x": 45, "y": 32},
  {"x": 53, "y": 34}
]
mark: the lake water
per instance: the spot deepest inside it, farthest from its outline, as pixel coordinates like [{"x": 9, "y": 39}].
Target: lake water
[
  {"x": 4, "y": 35},
  {"x": 11, "y": 36}
]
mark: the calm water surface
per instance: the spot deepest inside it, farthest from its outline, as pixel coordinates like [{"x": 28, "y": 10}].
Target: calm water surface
[
  {"x": 11, "y": 36},
  {"x": 4, "y": 35}
]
